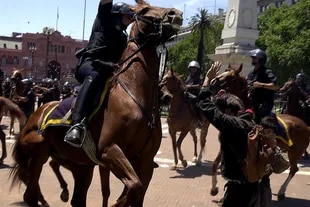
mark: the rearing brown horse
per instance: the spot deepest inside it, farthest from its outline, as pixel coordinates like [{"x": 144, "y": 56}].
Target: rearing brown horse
[
  {"x": 126, "y": 130},
  {"x": 183, "y": 118},
  {"x": 232, "y": 81}
]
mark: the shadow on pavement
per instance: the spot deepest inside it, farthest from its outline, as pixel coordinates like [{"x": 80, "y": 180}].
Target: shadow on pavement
[
  {"x": 193, "y": 172},
  {"x": 289, "y": 202}
]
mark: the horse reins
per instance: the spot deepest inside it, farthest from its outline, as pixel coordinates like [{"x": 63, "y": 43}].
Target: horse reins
[{"x": 151, "y": 119}]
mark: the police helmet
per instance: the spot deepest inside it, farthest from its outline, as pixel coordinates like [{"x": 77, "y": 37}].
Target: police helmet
[
  {"x": 259, "y": 54},
  {"x": 7, "y": 80},
  {"x": 122, "y": 8},
  {"x": 301, "y": 77},
  {"x": 27, "y": 81},
  {"x": 194, "y": 64}
]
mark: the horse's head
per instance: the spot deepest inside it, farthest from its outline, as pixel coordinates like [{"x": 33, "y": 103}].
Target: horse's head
[
  {"x": 231, "y": 81},
  {"x": 155, "y": 24},
  {"x": 171, "y": 85},
  {"x": 289, "y": 88},
  {"x": 17, "y": 74}
]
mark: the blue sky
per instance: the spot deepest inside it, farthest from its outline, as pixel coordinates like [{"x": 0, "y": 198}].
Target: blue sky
[{"x": 32, "y": 15}]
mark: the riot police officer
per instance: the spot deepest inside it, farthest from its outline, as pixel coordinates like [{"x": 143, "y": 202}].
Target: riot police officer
[{"x": 107, "y": 43}]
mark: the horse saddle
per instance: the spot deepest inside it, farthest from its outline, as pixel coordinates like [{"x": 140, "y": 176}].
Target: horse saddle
[
  {"x": 282, "y": 132},
  {"x": 60, "y": 115}
]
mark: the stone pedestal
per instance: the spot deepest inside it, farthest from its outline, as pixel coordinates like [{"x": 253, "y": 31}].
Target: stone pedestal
[{"x": 239, "y": 35}]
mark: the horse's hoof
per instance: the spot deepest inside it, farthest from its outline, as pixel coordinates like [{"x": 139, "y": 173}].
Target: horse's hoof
[
  {"x": 214, "y": 191},
  {"x": 198, "y": 163},
  {"x": 64, "y": 196},
  {"x": 1, "y": 162},
  {"x": 184, "y": 163},
  {"x": 281, "y": 197},
  {"x": 194, "y": 160},
  {"x": 173, "y": 167}
]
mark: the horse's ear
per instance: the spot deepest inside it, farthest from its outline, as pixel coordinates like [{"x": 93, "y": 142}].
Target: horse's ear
[
  {"x": 170, "y": 72},
  {"x": 141, "y": 2},
  {"x": 240, "y": 68}
]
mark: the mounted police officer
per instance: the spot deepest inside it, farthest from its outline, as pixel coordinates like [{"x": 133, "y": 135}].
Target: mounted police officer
[
  {"x": 106, "y": 44},
  {"x": 301, "y": 81},
  {"x": 194, "y": 80},
  {"x": 27, "y": 101},
  {"x": 262, "y": 84}
]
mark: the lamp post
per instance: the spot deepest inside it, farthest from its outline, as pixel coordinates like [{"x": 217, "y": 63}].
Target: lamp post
[
  {"x": 48, "y": 31},
  {"x": 32, "y": 49}
]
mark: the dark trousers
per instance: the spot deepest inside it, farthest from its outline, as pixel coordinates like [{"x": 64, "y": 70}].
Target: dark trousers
[
  {"x": 241, "y": 195},
  {"x": 262, "y": 110},
  {"x": 265, "y": 192}
]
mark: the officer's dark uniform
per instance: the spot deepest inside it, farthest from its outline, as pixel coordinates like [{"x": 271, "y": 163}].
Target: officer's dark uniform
[
  {"x": 234, "y": 133},
  {"x": 196, "y": 79},
  {"x": 262, "y": 99},
  {"x": 107, "y": 43}
]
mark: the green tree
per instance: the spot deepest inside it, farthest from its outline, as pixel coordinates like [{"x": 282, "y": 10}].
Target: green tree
[
  {"x": 186, "y": 50},
  {"x": 285, "y": 35},
  {"x": 199, "y": 22}
]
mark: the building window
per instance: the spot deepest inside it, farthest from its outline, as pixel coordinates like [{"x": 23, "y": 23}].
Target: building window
[
  {"x": 16, "y": 47},
  {"x": 62, "y": 49},
  {"x": 31, "y": 45},
  {"x": 3, "y": 60},
  {"x": 16, "y": 60},
  {"x": 4, "y": 45}
]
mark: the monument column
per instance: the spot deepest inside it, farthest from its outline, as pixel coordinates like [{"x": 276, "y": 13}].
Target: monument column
[{"x": 239, "y": 34}]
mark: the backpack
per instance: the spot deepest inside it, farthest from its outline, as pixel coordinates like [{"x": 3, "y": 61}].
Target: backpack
[{"x": 260, "y": 155}]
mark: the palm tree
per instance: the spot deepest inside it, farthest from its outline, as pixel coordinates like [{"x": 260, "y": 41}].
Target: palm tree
[{"x": 199, "y": 22}]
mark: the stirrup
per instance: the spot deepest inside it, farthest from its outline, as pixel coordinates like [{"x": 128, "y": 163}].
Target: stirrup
[{"x": 83, "y": 129}]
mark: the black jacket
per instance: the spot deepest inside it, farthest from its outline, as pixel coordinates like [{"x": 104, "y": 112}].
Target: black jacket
[
  {"x": 107, "y": 34},
  {"x": 234, "y": 132}
]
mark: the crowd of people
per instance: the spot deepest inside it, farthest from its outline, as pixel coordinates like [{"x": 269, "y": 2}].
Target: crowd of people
[{"x": 35, "y": 93}]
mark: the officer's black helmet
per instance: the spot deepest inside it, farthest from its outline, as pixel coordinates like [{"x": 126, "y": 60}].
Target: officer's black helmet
[
  {"x": 301, "y": 77},
  {"x": 122, "y": 8},
  {"x": 259, "y": 54},
  {"x": 27, "y": 81}
]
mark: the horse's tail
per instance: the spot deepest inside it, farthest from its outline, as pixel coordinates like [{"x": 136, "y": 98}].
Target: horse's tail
[
  {"x": 13, "y": 110},
  {"x": 18, "y": 173}
]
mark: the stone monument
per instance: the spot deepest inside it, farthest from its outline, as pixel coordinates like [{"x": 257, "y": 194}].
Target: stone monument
[{"x": 239, "y": 35}]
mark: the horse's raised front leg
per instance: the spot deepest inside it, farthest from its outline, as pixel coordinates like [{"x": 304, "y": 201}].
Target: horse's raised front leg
[
  {"x": 214, "y": 189},
  {"x": 179, "y": 145},
  {"x": 105, "y": 185},
  {"x": 3, "y": 143},
  {"x": 64, "y": 196},
  {"x": 123, "y": 170},
  {"x": 173, "y": 136}
]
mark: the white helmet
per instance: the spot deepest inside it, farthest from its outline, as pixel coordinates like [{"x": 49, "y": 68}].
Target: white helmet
[{"x": 193, "y": 64}]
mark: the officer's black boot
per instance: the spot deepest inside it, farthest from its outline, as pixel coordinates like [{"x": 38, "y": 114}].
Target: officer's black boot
[{"x": 77, "y": 132}]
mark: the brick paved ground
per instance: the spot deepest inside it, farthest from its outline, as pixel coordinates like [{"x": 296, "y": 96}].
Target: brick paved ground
[{"x": 187, "y": 187}]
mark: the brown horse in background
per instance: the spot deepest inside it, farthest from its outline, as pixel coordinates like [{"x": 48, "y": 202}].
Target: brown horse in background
[
  {"x": 294, "y": 98},
  {"x": 182, "y": 118},
  {"x": 126, "y": 129},
  {"x": 11, "y": 109},
  {"x": 232, "y": 81}
]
